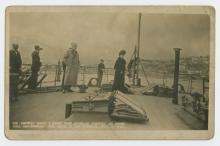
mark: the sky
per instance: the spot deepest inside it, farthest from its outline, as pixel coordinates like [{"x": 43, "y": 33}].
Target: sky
[{"x": 102, "y": 35}]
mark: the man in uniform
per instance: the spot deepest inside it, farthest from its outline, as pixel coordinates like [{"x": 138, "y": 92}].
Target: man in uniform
[
  {"x": 15, "y": 70},
  {"x": 35, "y": 67},
  {"x": 101, "y": 67},
  {"x": 71, "y": 66}
]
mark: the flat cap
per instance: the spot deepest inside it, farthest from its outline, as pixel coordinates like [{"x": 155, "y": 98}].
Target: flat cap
[
  {"x": 37, "y": 47},
  {"x": 122, "y": 52}
]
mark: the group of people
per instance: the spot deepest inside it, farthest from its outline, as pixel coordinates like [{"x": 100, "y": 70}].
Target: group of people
[
  {"x": 15, "y": 62},
  {"x": 71, "y": 67}
]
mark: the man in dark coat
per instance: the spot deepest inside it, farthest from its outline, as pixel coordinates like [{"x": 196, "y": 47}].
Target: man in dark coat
[
  {"x": 35, "y": 67},
  {"x": 15, "y": 69},
  {"x": 119, "y": 78},
  {"x": 101, "y": 67}
]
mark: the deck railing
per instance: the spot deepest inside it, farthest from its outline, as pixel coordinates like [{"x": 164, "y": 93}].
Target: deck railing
[{"x": 55, "y": 74}]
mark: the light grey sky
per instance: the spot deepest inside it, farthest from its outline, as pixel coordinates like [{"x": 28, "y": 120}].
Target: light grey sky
[{"x": 102, "y": 35}]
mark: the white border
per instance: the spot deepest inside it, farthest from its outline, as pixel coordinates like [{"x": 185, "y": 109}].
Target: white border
[{"x": 5, "y": 3}]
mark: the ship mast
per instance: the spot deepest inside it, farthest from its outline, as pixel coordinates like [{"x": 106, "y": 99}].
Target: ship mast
[{"x": 136, "y": 80}]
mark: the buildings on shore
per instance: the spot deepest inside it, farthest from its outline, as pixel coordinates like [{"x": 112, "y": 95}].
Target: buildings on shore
[{"x": 188, "y": 65}]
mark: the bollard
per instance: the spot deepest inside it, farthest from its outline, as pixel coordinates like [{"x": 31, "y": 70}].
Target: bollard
[{"x": 176, "y": 75}]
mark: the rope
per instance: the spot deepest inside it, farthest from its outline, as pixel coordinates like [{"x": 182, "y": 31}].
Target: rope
[{"x": 144, "y": 73}]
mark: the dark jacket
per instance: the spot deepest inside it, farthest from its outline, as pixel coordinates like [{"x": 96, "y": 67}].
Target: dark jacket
[
  {"x": 15, "y": 61},
  {"x": 119, "y": 78},
  {"x": 120, "y": 65},
  {"x": 101, "y": 66},
  {"x": 36, "y": 64}
]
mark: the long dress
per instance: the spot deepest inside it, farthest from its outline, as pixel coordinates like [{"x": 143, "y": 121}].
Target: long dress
[
  {"x": 71, "y": 60},
  {"x": 119, "y": 78}
]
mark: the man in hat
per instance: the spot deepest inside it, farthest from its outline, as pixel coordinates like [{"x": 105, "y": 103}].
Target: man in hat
[
  {"x": 72, "y": 66},
  {"x": 101, "y": 68},
  {"x": 119, "y": 78},
  {"x": 15, "y": 69},
  {"x": 35, "y": 67}
]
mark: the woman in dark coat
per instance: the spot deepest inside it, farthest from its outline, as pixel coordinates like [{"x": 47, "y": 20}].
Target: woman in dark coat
[{"x": 119, "y": 78}]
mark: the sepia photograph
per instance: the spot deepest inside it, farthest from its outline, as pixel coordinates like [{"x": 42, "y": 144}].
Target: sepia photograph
[{"x": 108, "y": 72}]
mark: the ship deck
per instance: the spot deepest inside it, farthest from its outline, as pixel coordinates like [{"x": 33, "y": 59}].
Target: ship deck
[{"x": 47, "y": 107}]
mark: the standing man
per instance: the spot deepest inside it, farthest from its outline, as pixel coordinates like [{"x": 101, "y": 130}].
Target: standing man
[
  {"x": 35, "y": 67},
  {"x": 72, "y": 66},
  {"x": 101, "y": 68},
  {"x": 15, "y": 69},
  {"x": 119, "y": 78}
]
